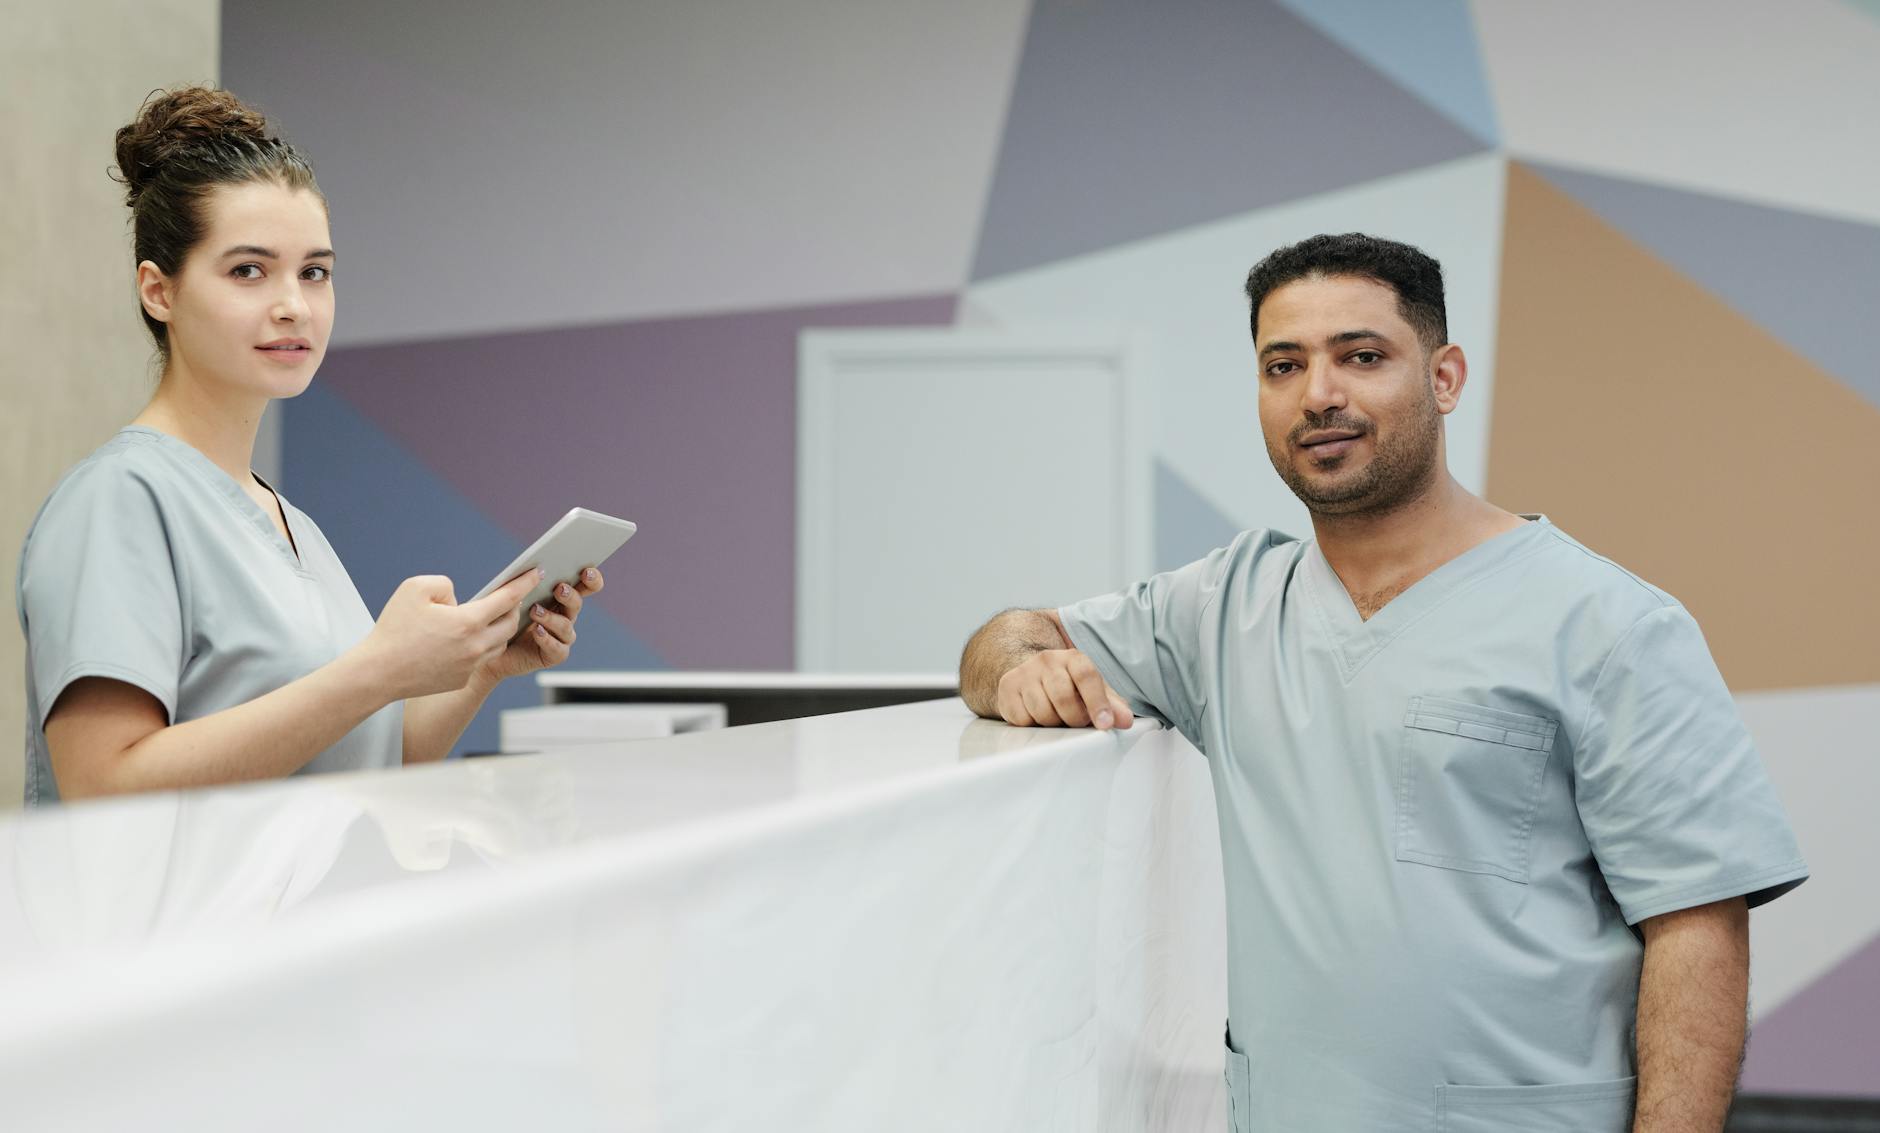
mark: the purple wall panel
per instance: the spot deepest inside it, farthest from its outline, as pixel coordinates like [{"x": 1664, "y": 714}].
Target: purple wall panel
[
  {"x": 685, "y": 426},
  {"x": 1825, "y": 1039}
]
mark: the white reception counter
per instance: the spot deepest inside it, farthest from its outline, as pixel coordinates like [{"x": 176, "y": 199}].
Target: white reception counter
[{"x": 903, "y": 918}]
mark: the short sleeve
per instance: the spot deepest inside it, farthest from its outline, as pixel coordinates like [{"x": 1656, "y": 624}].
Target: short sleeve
[
  {"x": 1146, "y": 640},
  {"x": 1672, "y": 794},
  {"x": 98, "y": 589}
]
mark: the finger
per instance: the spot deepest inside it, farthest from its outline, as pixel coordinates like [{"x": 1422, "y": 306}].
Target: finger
[
  {"x": 1039, "y": 705},
  {"x": 496, "y": 638},
  {"x": 505, "y": 599},
  {"x": 569, "y": 599},
  {"x": 1123, "y": 716},
  {"x": 552, "y": 649},
  {"x": 1064, "y": 699},
  {"x": 432, "y": 587},
  {"x": 591, "y": 581},
  {"x": 1094, "y": 694},
  {"x": 559, "y": 626},
  {"x": 1012, "y": 706}
]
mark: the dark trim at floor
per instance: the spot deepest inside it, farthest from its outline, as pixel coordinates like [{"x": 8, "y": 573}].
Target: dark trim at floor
[{"x": 1786, "y": 1113}]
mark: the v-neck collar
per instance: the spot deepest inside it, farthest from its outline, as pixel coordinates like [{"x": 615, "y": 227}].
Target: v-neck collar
[
  {"x": 224, "y": 485},
  {"x": 1355, "y": 640}
]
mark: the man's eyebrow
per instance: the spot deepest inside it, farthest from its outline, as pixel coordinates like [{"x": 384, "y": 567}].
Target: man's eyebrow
[
  {"x": 1280, "y": 344},
  {"x": 1345, "y": 336},
  {"x": 270, "y": 253}
]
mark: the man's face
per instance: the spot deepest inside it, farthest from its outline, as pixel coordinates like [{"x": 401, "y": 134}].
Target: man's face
[{"x": 1351, "y": 404}]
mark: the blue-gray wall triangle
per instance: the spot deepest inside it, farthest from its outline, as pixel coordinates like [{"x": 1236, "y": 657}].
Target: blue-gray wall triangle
[
  {"x": 1810, "y": 281},
  {"x": 389, "y": 517},
  {"x": 1430, "y": 48},
  {"x": 1187, "y": 526},
  {"x": 1129, "y": 120}
]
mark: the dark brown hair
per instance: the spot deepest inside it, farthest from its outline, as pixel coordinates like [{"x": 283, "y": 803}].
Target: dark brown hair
[
  {"x": 185, "y": 143},
  {"x": 1415, "y": 277}
]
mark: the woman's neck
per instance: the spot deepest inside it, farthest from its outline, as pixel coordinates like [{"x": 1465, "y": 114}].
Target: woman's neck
[{"x": 221, "y": 427}]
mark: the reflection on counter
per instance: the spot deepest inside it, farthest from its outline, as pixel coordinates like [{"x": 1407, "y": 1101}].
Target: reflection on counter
[{"x": 117, "y": 872}]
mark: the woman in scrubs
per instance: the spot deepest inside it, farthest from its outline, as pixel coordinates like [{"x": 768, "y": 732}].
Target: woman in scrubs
[{"x": 185, "y": 624}]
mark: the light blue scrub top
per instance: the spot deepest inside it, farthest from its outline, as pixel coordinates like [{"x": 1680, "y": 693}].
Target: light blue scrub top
[
  {"x": 1438, "y": 824},
  {"x": 150, "y": 565}
]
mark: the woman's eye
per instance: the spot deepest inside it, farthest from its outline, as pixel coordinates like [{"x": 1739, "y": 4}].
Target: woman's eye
[
  {"x": 317, "y": 273},
  {"x": 246, "y": 271}
]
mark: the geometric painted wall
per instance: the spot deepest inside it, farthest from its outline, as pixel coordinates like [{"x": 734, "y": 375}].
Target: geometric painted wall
[{"x": 577, "y": 242}]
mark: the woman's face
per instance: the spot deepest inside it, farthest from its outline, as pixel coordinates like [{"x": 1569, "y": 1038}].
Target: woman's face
[{"x": 251, "y": 309}]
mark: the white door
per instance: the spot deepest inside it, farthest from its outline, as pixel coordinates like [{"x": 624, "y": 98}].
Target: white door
[{"x": 945, "y": 475}]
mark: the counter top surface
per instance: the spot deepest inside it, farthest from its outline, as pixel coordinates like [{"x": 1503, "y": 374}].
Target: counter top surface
[
  {"x": 743, "y": 681},
  {"x": 111, "y": 875}
]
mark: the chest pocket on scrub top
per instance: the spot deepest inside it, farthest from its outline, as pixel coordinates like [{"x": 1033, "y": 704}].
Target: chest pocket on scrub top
[{"x": 1468, "y": 781}]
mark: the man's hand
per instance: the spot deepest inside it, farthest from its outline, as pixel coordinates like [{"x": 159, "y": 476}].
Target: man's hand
[{"x": 1060, "y": 688}]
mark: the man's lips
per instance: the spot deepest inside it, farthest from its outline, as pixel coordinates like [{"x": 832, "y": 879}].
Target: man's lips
[{"x": 1328, "y": 437}]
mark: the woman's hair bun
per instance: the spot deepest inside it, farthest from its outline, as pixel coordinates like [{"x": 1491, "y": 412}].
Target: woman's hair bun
[{"x": 174, "y": 123}]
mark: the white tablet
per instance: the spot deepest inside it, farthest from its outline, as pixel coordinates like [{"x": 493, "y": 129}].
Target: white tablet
[{"x": 582, "y": 538}]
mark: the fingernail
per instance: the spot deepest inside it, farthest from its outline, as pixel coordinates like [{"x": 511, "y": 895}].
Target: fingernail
[
  {"x": 540, "y": 632},
  {"x": 539, "y": 572},
  {"x": 564, "y": 591},
  {"x": 536, "y": 610},
  {"x": 1104, "y": 719},
  {"x": 590, "y": 574}
]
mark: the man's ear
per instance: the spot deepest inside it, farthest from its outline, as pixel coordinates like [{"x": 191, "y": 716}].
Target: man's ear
[
  {"x": 1449, "y": 372},
  {"x": 155, "y": 290}
]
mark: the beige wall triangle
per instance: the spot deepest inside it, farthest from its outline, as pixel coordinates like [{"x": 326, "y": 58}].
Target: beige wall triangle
[{"x": 1662, "y": 429}]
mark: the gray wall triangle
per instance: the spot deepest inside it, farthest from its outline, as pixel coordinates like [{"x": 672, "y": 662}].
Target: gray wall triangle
[{"x": 1130, "y": 120}]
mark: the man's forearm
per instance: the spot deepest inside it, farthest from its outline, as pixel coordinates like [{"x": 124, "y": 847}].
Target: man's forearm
[
  {"x": 1692, "y": 1009},
  {"x": 1001, "y": 644}
]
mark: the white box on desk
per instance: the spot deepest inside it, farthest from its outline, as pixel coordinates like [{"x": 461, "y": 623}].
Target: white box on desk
[{"x": 565, "y": 725}]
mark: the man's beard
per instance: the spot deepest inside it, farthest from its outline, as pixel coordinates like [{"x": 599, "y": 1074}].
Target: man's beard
[{"x": 1399, "y": 471}]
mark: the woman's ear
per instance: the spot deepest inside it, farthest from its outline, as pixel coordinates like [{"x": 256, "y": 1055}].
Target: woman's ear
[{"x": 156, "y": 290}]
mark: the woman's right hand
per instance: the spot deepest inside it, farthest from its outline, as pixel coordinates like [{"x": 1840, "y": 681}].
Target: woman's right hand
[{"x": 425, "y": 642}]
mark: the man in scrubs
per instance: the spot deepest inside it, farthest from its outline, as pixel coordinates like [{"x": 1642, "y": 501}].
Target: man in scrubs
[{"x": 1490, "y": 822}]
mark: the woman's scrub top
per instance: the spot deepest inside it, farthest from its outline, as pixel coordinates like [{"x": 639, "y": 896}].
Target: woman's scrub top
[{"x": 150, "y": 565}]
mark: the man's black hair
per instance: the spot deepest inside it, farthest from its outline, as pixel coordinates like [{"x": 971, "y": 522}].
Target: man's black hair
[{"x": 1416, "y": 278}]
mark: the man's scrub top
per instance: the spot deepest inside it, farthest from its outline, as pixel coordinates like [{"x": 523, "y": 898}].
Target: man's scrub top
[
  {"x": 1438, "y": 825},
  {"x": 150, "y": 565}
]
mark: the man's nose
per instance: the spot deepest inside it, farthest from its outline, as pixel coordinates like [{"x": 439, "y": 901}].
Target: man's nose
[{"x": 1323, "y": 392}]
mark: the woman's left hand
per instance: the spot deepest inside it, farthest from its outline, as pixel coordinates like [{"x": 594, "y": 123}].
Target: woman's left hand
[{"x": 550, "y": 633}]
